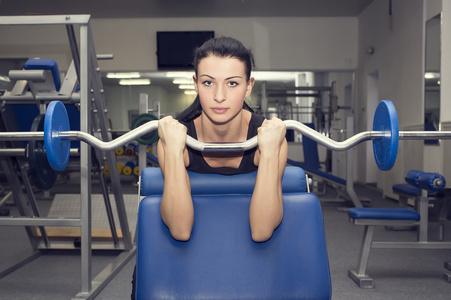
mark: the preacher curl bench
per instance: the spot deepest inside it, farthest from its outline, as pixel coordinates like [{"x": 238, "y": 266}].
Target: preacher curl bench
[{"x": 220, "y": 261}]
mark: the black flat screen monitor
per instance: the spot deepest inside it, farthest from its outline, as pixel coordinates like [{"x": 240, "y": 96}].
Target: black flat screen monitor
[{"x": 175, "y": 48}]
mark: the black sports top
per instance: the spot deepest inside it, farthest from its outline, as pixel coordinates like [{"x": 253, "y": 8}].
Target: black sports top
[{"x": 198, "y": 164}]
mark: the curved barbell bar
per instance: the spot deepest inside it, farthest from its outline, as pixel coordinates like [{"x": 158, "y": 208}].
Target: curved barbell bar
[
  {"x": 241, "y": 146},
  {"x": 252, "y": 143},
  {"x": 387, "y": 133}
]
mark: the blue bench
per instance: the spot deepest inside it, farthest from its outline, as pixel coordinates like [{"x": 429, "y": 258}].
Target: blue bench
[
  {"x": 220, "y": 261},
  {"x": 371, "y": 217},
  {"x": 312, "y": 166}
]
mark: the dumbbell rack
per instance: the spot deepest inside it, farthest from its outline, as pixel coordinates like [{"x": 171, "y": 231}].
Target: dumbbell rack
[{"x": 93, "y": 119}]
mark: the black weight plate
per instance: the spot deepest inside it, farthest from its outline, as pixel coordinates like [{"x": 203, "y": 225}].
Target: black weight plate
[{"x": 150, "y": 137}]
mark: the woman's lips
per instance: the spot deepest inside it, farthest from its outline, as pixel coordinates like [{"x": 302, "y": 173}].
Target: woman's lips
[{"x": 219, "y": 110}]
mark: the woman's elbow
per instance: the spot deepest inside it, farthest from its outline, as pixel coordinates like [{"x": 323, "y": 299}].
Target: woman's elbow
[
  {"x": 261, "y": 235},
  {"x": 181, "y": 234}
]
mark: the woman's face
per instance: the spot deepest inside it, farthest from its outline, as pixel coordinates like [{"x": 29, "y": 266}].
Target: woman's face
[{"x": 222, "y": 86}]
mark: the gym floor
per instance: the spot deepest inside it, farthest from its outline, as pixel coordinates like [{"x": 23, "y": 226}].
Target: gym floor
[{"x": 397, "y": 273}]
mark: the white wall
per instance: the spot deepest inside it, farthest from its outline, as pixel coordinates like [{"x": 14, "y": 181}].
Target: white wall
[
  {"x": 313, "y": 43},
  {"x": 398, "y": 41},
  {"x": 277, "y": 43},
  {"x": 398, "y": 60}
]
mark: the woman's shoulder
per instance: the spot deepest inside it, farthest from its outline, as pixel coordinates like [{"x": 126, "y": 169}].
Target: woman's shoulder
[{"x": 256, "y": 119}]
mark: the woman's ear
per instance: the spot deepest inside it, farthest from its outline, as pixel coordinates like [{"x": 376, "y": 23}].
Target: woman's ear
[
  {"x": 195, "y": 83},
  {"x": 250, "y": 85}
]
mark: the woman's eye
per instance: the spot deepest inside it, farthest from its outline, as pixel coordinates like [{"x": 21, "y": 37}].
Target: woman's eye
[
  {"x": 233, "y": 83},
  {"x": 207, "y": 83}
]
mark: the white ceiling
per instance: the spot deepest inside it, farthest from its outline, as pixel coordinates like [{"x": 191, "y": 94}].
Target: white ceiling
[{"x": 186, "y": 8}]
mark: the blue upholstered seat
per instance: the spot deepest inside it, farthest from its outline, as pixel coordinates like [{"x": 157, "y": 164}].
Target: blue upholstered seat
[{"x": 220, "y": 261}]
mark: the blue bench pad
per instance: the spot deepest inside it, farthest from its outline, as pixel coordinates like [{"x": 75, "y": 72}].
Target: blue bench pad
[
  {"x": 405, "y": 188},
  {"x": 383, "y": 213},
  {"x": 220, "y": 261},
  {"x": 293, "y": 181},
  {"x": 309, "y": 169},
  {"x": 45, "y": 64}
]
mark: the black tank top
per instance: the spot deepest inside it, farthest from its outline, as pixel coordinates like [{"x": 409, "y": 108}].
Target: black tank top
[{"x": 198, "y": 164}]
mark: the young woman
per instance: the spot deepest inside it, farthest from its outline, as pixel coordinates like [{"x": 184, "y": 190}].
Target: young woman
[{"x": 220, "y": 115}]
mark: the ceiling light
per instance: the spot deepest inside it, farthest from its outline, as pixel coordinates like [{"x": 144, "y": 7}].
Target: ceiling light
[
  {"x": 123, "y": 75},
  {"x": 134, "y": 82},
  {"x": 182, "y": 81},
  {"x": 274, "y": 75},
  {"x": 190, "y": 92},
  {"x": 180, "y": 74},
  {"x": 431, "y": 75},
  {"x": 186, "y": 86}
]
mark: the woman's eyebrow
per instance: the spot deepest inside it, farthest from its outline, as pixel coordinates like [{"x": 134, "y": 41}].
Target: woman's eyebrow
[
  {"x": 206, "y": 75},
  {"x": 228, "y": 78}
]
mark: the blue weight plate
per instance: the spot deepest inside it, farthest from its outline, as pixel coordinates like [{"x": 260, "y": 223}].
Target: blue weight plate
[
  {"x": 386, "y": 148},
  {"x": 41, "y": 173},
  {"x": 57, "y": 149}
]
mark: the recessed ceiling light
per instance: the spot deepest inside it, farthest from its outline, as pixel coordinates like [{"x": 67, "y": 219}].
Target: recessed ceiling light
[
  {"x": 134, "y": 82},
  {"x": 123, "y": 75}
]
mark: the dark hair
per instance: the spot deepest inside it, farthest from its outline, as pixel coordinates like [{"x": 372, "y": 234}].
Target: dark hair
[{"x": 225, "y": 47}]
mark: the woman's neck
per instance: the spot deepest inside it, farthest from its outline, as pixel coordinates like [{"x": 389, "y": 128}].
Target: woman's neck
[{"x": 233, "y": 131}]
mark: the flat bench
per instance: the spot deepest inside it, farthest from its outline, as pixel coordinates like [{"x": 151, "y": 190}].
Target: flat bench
[{"x": 371, "y": 217}]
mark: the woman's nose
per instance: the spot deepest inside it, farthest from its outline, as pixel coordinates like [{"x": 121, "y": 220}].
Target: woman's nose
[{"x": 219, "y": 94}]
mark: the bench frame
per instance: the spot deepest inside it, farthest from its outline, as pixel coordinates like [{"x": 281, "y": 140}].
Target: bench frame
[{"x": 359, "y": 275}]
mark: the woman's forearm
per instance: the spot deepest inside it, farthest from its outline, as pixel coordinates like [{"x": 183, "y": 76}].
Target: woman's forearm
[
  {"x": 176, "y": 209},
  {"x": 266, "y": 209}
]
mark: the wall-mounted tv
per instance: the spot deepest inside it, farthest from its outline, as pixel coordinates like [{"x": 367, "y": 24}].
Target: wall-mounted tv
[{"x": 175, "y": 48}]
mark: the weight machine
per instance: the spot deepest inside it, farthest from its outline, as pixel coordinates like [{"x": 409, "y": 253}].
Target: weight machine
[{"x": 82, "y": 86}]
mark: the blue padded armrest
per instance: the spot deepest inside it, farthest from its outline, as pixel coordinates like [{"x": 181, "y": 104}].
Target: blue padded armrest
[
  {"x": 383, "y": 213},
  {"x": 425, "y": 180},
  {"x": 45, "y": 64},
  {"x": 152, "y": 182},
  {"x": 220, "y": 261}
]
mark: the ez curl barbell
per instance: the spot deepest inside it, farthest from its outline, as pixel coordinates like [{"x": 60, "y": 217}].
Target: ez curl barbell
[{"x": 385, "y": 137}]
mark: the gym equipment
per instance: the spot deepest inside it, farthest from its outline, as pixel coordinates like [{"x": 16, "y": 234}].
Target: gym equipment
[
  {"x": 150, "y": 137},
  {"x": 343, "y": 186},
  {"x": 128, "y": 168},
  {"x": 371, "y": 217},
  {"x": 82, "y": 87},
  {"x": 56, "y": 117},
  {"x": 136, "y": 170},
  {"x": 42, "y": 174},
  {"x": 120, "y": 167},
  {"x": 220, "y": 261},
  {"x": 130, "y": 149},
  {"x": 385, "y": 140},
  {"x": 120, "y": 150}
]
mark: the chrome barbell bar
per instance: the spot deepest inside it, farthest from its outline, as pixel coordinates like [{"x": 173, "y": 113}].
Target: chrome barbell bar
[{"x": 217, "y": 147}]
